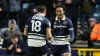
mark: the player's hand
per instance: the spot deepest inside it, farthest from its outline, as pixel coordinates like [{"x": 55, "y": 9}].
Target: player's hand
[
  {"x": 18, "y": 50},
  {"x": 69, "y": 40},
  {"x": 10, "y": 47},
  {"x": 49, "y": 38},
  {"x": 25, "y": 34},
  {"x": 68, "y": 1},
  {"x": 51, "y": 41}
]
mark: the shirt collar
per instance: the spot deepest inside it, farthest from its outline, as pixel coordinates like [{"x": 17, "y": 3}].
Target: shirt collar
[
  {"x": 40, "y": 14},
  {"x": 64, "y": 17}
]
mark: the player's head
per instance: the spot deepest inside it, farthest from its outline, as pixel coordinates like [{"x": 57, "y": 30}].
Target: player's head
[
  {"x": 41, "y": 9},
  {"x": 60, "y": 10}
]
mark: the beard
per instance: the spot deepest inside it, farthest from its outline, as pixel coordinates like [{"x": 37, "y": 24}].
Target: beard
[{"x": 59, "y": 15}]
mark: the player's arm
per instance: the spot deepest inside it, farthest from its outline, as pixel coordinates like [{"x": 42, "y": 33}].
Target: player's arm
[
  {"x": 48, "y": 34},
  {"x": 48, "y": 30},
  {"x": 25, "y": 31},
  {"x": 71, "y": 30}
]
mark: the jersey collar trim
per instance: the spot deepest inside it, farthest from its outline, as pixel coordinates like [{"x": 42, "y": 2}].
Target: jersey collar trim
[
  {"x": 41, "y": 14},
  {"x": 64, "y": 17}
]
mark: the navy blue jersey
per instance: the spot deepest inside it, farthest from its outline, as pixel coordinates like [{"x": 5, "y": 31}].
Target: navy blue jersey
[
  {"x": 62, "y": 29},
  {"x": 38, "y": 24},
  {"x": 37, "y": 30}
]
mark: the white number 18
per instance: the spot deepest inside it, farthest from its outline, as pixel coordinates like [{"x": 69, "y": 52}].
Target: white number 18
[{"x": 36, "y": 26}]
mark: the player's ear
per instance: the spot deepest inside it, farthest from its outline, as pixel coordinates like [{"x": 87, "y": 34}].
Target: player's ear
[{"x": 64, "y": 12}]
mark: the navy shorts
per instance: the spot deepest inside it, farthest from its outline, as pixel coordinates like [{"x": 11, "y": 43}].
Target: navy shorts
[
  {"x": 59, "y": 50},
  {"x": 34, "y": 51}
]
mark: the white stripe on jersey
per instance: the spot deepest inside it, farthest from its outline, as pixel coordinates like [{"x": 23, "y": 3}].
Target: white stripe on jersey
[
  {"x": 35, "y": 43},
  {"x": 26, "y": 26},
  {"x": 36, "y": 37},
  {"x": 71, "y": 29},
  {"x": 36, "y": 34},
  {"x": 61, "y": 41},
  {"x": 62, "y": 36}
]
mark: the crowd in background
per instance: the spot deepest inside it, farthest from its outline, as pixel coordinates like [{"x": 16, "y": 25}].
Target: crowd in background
[{"x": 22, "y": 10}]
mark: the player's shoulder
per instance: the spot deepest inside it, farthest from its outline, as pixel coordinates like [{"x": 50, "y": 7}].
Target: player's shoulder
[
  {"x": 68, "y": 20},
  {"x": 46, "y": 20}
]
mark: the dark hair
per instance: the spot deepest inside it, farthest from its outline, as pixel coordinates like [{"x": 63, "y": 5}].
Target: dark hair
[
  {"x": 56, "y": 1},
  {"x": 15, "y": 35},
  {"x": 61, "y": 6},
  {"x": 41, "y": 8}
]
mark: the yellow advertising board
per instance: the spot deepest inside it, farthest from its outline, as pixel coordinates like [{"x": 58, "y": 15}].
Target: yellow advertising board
[{"x": 88, "y": 52}]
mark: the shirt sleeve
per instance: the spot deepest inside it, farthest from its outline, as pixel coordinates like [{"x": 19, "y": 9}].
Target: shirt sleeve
[
  {"x": 47, "y": 23},
  {"x": 71, "y": 29},
  {"x": 27, "y": 23}
]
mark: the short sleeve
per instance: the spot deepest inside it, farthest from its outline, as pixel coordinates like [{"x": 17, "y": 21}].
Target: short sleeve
[
  {"x": 47, "y": 23},
  {"x": 27, "y": 23},
  {"x": 70, "y": 24}
]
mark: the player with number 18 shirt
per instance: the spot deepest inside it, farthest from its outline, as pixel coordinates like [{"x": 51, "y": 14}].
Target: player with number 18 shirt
[{"x": 38, "y": 30}]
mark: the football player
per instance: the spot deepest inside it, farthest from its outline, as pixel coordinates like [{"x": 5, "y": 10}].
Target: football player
[
  {"x": 63, "y": 33},
  {"x": 38, "y": 29}
]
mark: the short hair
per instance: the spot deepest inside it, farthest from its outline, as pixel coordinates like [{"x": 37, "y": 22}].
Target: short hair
[
  {"x": 61, "y": 6},
  {"x": 56, "y": 1},
  {"x": 15, "y": 35},
  {"x": 41, "y": 8}
]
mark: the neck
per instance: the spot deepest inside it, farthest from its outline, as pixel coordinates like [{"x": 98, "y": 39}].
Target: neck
[
  {"x": 60, "y": 17},
  {"x": 42, "y": 13}
]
